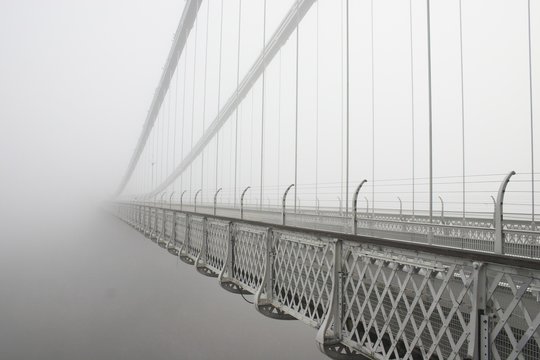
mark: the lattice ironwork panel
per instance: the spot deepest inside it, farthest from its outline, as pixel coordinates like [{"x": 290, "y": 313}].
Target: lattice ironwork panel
[
  {"x": 216, "y": 251},
  {"x": 303, "y": 268},
  {"x": 522, "y": 243},
  {"x": 399, "y": 307},
  {"x": 196, "y": 228},
  {"x": 514, "y": 313},
  {"x": 180, "y": 230},
  {"x": 481, "y": 239},
  {"x": 249, "y": 256},
  {"x": 160, "y": 222},
  {"x": 168, "y": 225},
  {"x": 153, "y": 219}
]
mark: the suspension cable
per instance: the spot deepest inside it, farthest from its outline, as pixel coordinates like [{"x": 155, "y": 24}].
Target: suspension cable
[
  {"x": 372, "y": 115},
  {"x": 204, "y": 91},
  {"x": 262, "y": 107},
  {"x": 236, "y": 95},
  {"x": 296, "y": 111},
  {"x": 175, "y": 123},
  {"x": 430, "y": 113},
  {"x": 183, "y": 114},
  {"x": 342, "y": 117},
  {"x": 193, "y": 103},
  {"x": 412, "y": 101},
  {"x": 279, "y": 126},
  {"x": 462, "y": 104},
  {"x": 347, "y": 137},
  {"x": 168, "y": 128},
  {"x": 531, "y": 105},
  {"x": 219, "y": 86},
  {"x": 317, "y": 105}
]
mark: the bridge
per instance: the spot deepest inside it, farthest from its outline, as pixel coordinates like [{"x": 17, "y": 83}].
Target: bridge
[{"x": 342, "y": 174}]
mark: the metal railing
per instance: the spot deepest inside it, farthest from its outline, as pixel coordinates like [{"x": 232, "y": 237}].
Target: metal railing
[{"x": 368, "y": 296}]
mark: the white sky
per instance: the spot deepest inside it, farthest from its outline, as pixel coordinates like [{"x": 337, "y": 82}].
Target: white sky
[{"x": 76, "y": 80}]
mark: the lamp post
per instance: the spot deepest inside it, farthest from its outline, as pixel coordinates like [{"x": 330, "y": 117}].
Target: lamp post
[
  {"x": 283, "y": 202},
  {"x": 195, "y": 201},
  {"x": 242, "y": 202}
]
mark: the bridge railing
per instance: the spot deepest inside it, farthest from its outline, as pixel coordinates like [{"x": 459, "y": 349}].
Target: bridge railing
[
  {"x": 520, "y": 238},
  {"x": 368, "y": 296}
]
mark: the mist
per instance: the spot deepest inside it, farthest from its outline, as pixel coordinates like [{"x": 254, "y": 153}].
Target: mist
[{"x": 76, "y": 80}]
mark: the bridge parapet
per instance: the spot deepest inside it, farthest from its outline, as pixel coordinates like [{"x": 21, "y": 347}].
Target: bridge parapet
[{"x": 369, "y": 297}]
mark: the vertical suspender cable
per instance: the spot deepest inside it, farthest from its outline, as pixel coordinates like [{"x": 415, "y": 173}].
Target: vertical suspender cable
[
  {"x": 158, "y": 148},
  {"x": 372, "y": 115},
  {"x": 219, "y": 87},
  {"x": 162, "y": 143},
  {"x": 236, "y": 95},
  {"x": 193, "y": 102},
  {"x": 183, "y": 115},
  {"x": 462, "y": 109},
  {"x": 279, "y": 129},
  {"x": 347, "y": 109},
  {"x": 262, "y": 108},
  {"x": 342, "y": 117},
  {"x": 175, "y": 125},
  {"x": 296, "y": 112},
  {"x": 204, "y": 90},
  {"x": 531, "y": 108},
  {"x": 430, "y": 115},
  {"x": 251, "y": 141},
  {"x": 153, "y": 152},
  {"x": 317, "y": 109},
  {"x": 412, "y": 102},
  {"x": 168, "y": 129}
]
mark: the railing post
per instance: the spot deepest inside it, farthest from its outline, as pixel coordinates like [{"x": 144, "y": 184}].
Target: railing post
[
  {"x": 242, "y": 202},
  {"x": 182, "y": 200},
  {"x": 498, "y": 219},
  {"x": 355, "y": 208},
  {"x": 478, "y": 346},
  {"x": 340, "y": 206},
  {"x": 215, "y": 200},
  {"x": 195, "y": 202},
  {"x": 400, "y": 208},
  {"x": 283, "y": 203}
]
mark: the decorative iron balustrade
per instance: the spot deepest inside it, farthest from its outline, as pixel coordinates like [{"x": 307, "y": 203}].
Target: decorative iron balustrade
[{"x": 369, "y": 297}]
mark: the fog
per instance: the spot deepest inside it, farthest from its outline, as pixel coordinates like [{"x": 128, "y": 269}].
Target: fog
[
  {"x": 76, "y": 79},
  {"x": 76, "y": 83}
]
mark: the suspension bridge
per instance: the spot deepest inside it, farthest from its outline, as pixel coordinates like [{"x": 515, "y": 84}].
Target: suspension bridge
[{"x": 367, "y": 168}]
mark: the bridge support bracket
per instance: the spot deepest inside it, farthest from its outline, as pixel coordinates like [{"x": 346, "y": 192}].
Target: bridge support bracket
[
  {"x": 183, "y": 252},
  {"x": 162, "y": 238},
  {"x": 171, "y": 245},
  {"x": 329, "y": 335},
  {"x": 200, "y": 262},
  {"x": 265, "y": 293},
  {"x": 225, "y": 278}
]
